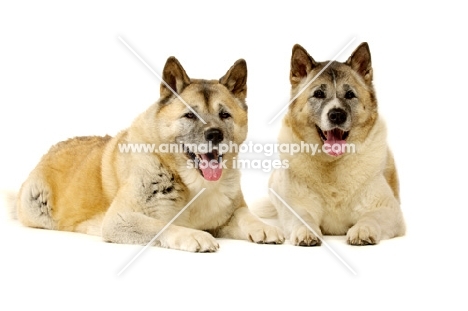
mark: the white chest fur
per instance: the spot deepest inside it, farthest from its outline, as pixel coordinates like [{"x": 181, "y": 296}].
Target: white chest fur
[{"x": 214, "y": 206}]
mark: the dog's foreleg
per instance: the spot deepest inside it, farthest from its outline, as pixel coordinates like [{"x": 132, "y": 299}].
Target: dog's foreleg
[
  {"x": 382, "y": 223},
  {"x": 131, "y": 220},
  {"x": 308, "y": 234},
  {"x": 137, "y": 228},
  {"x": 299, "y": 224},
  {"x": 244, "y": 225}
]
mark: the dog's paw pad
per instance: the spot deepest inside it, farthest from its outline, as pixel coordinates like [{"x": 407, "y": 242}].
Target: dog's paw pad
[
  {"x": 363, "y": 234},
  {"x": 304, "y": 237}
]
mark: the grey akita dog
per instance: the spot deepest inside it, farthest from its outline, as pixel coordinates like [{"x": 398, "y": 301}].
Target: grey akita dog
[{"x": 336, "y": 192}]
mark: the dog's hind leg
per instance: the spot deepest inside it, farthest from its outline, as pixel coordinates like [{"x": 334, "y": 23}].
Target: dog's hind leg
[{"x": 35, "y": 204}]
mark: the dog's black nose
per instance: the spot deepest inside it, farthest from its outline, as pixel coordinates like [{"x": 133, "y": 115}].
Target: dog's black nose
[
  {"x": 337, "y": 116},
  {"x": 214, "y": 135}
]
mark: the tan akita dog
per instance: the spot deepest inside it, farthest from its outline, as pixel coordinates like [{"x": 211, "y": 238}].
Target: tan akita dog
[{"x": 93, "y": 185}]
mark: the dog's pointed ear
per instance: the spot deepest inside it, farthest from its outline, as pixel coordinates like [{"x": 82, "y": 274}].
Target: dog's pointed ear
[
  {"x": 360, "y": 61},
  {"x": 301, "y": 64},
  {"x": 235, "y": 79},
  {"x": 175, "y": 77}
]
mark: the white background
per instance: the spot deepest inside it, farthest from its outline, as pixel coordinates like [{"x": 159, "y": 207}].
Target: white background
[{"x": 64, "y": 73}]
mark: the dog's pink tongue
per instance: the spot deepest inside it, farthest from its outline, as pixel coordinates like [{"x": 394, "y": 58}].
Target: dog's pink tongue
[
  {"x": 335, "y": 146},
  {"x": 211, "y": 169}
]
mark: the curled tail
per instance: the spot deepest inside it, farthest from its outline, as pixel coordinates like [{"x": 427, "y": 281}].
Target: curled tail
[{"x": 263, "y": 208}]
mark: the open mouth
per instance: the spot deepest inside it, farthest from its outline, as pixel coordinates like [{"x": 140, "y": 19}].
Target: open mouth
[
  {"x": 208, "y": 164},
  {"x": 334, "y": 140}
]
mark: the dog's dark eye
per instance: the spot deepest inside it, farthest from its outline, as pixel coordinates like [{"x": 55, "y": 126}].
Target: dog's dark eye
[
  {"x": 224, "y": 115},
  {"x": 319, "y": 94},
  {"x": 189, "y": 115},
  {"x": 350, "y": 95}
]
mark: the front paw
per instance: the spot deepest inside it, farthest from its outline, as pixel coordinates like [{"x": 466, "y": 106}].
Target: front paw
[
  {"x": 265, "y": 234},
  {"x": 363, "y": 234},
  {"x": 192, "y": 241},
  {"x": 302, "y": 236}
]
